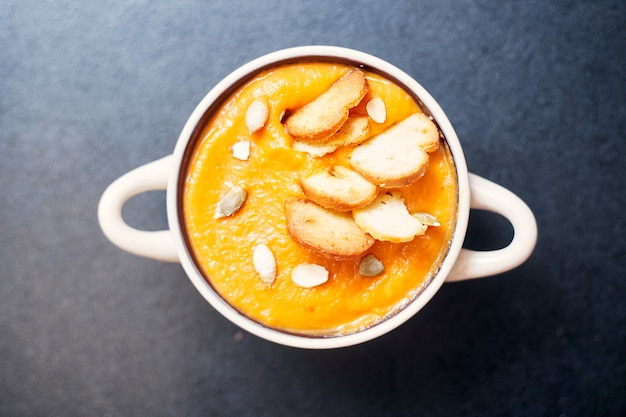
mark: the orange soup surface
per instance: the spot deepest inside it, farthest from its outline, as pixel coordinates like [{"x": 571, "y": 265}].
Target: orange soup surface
[{"x": 223, "y": 247}]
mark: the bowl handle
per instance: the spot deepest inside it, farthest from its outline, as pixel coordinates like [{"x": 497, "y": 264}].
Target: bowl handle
[
  {"x": 487, "y": 195},
  {"x": 150, "y": 244}
]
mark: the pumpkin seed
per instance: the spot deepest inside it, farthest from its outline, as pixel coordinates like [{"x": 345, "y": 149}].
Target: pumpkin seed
[
  {"x": 376, "y": 110},
  {"x": 309, "y": 275},
  {"x": 371, "y": 266},
  {"x": 256, "y": 115},
  {"x": 264, "y": 263},
  {"x": 230, "y": 202},
  {"x": 241, "y": 150},
  {"x": 427, "y": 219}
]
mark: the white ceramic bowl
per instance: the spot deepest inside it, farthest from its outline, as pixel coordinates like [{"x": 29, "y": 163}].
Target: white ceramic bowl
[{"x": 168, "y": 172}]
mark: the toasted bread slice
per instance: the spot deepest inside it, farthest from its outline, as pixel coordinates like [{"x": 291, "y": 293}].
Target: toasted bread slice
[
  {"x": 424, "y": 129},
  {"x": 319, "y": 119},
  {"x": 353, "y": 131},
  {"x": 387, "y": 218},
  {"x": 325, "y": 232},
  {"x": 396, "y": 157},
  {"x": 339, "y": 188}
]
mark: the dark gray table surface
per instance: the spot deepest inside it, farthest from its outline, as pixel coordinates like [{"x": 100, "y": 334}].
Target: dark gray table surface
[{"x": 90, "y": 90}]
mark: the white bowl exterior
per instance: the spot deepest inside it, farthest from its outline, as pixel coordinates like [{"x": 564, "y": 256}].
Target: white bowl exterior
[{"x": 304, "y": 341}]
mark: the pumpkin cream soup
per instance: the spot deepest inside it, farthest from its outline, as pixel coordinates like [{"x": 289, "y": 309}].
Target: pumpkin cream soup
[{"x": 319, "y": 199}]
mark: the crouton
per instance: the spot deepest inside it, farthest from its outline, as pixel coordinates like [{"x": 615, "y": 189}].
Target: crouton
[
  {"x": 397, "y": 157},
  {"x": 353, "y": 131},
  {"x": 339, "y": 188},
  {"x": 325, "y": 232},
  {"x": 387, "y": 218},
  {"x": 319, "y": 119}
]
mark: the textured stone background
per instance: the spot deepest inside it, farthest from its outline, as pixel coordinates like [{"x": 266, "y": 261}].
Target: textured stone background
[{"x": 90, "y": 90}]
